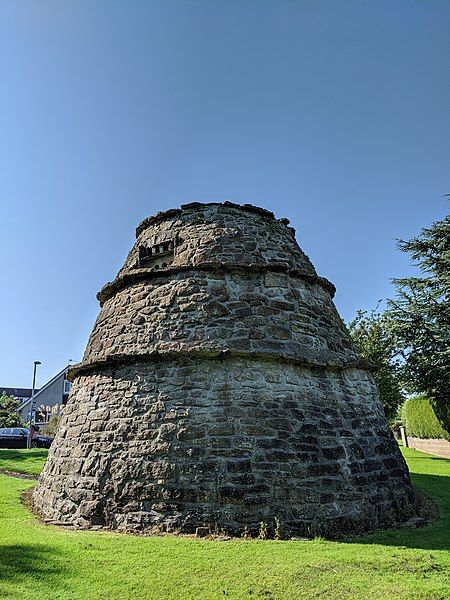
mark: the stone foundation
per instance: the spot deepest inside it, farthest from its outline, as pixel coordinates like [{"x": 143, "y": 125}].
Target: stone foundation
[{"x": 239, "y": 441}]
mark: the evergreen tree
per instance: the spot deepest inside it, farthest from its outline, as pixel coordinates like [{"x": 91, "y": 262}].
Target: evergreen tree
[
  {"x": 371, "y": 334},
  {"x": 420, "y": 315}
]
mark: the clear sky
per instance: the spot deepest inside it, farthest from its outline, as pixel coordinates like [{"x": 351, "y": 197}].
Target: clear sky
[{"x": 333, "y": 114}]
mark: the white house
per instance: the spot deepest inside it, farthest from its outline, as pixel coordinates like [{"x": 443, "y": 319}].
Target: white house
[{"x": 53, "y": 395}]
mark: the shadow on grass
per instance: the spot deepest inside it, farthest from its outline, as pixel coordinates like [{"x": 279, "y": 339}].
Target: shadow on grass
[
  {"x": 431, "y": 537},
  {"x": 22, "y": 454},
  {"x": 29, "y": 563}
]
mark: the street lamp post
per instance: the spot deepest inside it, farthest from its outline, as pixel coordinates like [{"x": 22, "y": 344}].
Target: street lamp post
[{"x": 33, "y": 403}]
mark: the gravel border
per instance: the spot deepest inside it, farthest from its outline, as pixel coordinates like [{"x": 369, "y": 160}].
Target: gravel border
[{"x": 19, "y": 475}]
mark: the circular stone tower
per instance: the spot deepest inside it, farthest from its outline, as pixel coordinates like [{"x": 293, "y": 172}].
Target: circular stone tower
[{"x": 220, "y": 387}]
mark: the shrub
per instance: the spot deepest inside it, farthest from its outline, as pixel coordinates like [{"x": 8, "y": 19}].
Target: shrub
[
  {"x": 51, "y": 427},
  {"x": 420, "y": 421},
  {"x": 9, "y": 416}
]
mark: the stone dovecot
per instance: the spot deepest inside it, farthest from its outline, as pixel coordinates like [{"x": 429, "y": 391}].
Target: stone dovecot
[{"x": 220, "y": 388}]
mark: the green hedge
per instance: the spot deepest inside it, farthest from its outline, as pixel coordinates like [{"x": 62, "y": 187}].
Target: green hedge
[{"x": 420, "y": 421}]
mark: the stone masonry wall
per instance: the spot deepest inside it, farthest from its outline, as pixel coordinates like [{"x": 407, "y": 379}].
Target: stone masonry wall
[
  {"x": 436, "y": 446},
  {"x": 191, "y": 442},
  {"x": 220, "y": 387},
  {"x": 256, "y": 312},
  {"x": 215, "y": 234}
]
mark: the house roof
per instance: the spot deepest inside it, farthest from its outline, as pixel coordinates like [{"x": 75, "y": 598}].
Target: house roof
[
  {"x": 38, "y": 392},
  {"x": 17, "y": 392}
]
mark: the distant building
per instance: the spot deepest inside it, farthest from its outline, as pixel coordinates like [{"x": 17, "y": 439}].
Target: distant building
[
  {"x": 49, "y": 398},
  {"x": 21, "y": 394}
]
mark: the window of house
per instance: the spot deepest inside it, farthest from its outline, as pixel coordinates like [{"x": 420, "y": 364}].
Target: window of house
[{"x": 67, "y": 386}]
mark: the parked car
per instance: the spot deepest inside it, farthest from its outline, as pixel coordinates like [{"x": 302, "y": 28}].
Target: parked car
[
  {"x": 41, "y": 441},
  {"x": 16, "y": 437}
]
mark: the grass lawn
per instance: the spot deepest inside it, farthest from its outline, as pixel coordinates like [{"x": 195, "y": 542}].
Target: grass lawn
[
  {"x": 29, "y": 462},
  {"x": 48, "y": 563}
]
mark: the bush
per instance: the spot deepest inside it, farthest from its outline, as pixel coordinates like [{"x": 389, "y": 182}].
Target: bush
[
  {"x": 51, "y": 427},
  {"x": 9, "y": 416},
  {"x": 420, "y": 421}
]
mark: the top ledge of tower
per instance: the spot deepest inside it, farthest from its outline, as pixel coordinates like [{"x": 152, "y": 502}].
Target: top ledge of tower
[{"x": 192, "y": 206}]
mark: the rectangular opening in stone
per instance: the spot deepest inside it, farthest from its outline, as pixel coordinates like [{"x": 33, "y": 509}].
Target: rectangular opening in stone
[{"x": 156, "y": 256}]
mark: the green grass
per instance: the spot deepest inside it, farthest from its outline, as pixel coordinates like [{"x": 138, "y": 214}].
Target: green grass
[
  {"x": 23, "y": 461},
  {"x": 46, "y": 562}
]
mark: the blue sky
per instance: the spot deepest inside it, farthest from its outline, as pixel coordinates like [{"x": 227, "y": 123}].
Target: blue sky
[{"x": 333, "y": 114}]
